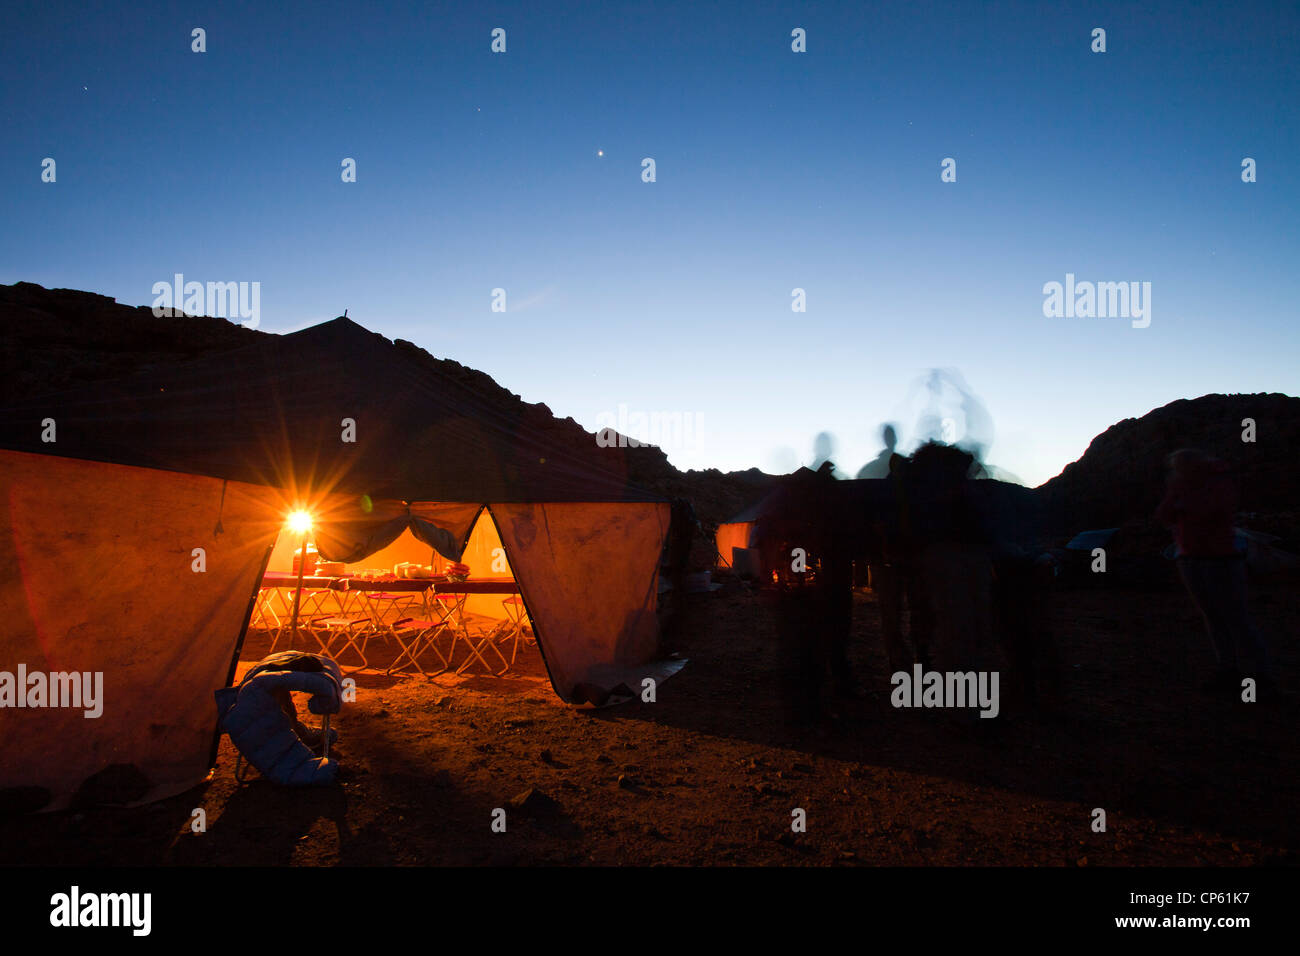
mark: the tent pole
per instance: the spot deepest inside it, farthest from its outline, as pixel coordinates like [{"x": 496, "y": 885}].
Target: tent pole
[{"x": 297, "y": 594}]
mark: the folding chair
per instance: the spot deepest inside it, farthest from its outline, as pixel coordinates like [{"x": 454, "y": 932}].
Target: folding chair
[
  {"x": 415, "y": 636},
  {"x": 264, "y": 615},
  {"x": 309, "y": 610},
  {"x": 327, "y": 630},
  {"x": 512, "y": 628},
  {"x": 385, "y": 607},
  {"x": 451, "y": 608}
]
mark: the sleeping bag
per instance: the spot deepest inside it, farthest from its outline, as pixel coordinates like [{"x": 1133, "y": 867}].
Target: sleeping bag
[{"x": 258, "y": 715}]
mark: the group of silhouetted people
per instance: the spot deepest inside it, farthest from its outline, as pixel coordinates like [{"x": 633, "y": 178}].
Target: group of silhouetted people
[{"x": 955, "y": 595}]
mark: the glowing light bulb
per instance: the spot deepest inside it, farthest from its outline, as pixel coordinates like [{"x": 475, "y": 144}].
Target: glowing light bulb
[{"x": 300, "y": 522}]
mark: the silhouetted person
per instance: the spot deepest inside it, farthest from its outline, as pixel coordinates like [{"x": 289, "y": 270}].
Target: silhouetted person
[
  {"x": 1200, "y": 503},
  {"x": 823, "y": 449},
  {"x": 1022, "y": 584},
  {"x": 806, "y": 561},
  {"x": 895, "y": 576},
  {"x": 683, "y": 525},
  {"x": 950, "y": 541},
  {"x": 878, "y": 467}
]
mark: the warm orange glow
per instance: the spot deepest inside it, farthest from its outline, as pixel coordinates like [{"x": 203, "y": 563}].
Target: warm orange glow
[{"x": 300, "y": 522}]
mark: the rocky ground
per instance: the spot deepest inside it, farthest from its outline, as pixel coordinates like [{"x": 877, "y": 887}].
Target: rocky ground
[{"x": 709, "y": 775}]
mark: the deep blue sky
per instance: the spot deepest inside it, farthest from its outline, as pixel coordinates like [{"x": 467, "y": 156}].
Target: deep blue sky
[{"x": 775, "y": 170}]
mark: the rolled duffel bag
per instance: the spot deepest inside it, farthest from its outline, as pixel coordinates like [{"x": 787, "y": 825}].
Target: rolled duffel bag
[{"x": 258, "y": 725}]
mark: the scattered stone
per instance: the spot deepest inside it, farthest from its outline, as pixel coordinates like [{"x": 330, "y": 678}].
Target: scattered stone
[
  {"x": 603, "y": 758},
  {"x": 531, "y": 801},
  {"x": 545, "y": 756}
]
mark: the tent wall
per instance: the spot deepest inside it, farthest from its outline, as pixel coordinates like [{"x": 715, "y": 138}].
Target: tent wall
[
  {"x": 96, "y": 575},
  {"x": 735, "y": 534},
  {"x": 588, "y": 574}
]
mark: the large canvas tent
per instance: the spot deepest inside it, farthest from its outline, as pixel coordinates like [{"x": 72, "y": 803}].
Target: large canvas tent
[{"x": 114, "y": 495}]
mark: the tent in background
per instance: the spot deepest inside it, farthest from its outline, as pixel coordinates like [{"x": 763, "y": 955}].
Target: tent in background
[
  {"x": 148, "y": 477},
  {"x": 736, "y": 532}
]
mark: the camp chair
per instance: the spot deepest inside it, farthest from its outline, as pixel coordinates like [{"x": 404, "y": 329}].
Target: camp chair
[
  {"x": 385, "y": 607},
  {"x": 513, "y": 626},
  {"x": 310, "y": 610},
  {"x": 264, "y": 615},
  {"x": 475, "y": 643},
  {"x": 415, "y": 636},
  {"x": 353, "y": 631}
]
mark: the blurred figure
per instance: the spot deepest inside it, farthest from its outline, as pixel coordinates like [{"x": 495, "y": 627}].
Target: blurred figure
[
  {"x": 1199, "y": 505},
  {"x": 683, "y": 527},
  {"x": 895, "y": 576},
  {"x": 806, "y": 558},
  {"x": 823, "y": 450},
  {"x": 878, "y": 467},
  {"x": 1022, "y": 587},
  {"x": 951, "y": 544}
]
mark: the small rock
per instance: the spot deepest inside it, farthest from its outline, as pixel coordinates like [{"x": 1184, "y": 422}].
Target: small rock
[
  {"x": 603, "y": 758},
  {"x": 545, "y": 756},
  {"x": 531, "y": 800}
]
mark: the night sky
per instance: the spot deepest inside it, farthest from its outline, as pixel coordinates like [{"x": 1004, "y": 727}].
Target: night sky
[{"x": 774, "y": 170}]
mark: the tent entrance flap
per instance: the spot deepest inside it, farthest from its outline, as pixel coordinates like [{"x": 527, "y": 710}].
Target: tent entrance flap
[{"x": 588, "y": 574}]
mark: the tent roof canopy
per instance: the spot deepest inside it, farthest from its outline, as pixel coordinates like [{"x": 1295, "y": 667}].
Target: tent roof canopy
[{"x": 273, "y": 413}]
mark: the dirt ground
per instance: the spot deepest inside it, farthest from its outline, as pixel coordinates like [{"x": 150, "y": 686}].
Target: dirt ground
[{"x": 709, "y": 774}]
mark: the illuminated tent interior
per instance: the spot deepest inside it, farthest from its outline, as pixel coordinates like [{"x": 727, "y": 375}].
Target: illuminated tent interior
[
  {"x": 736, "y": 533},
  {"x": 102, "y": 526}
]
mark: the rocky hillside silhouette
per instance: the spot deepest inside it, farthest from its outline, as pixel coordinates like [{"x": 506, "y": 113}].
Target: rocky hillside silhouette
[
  {"x": 1120, "y": 478},
  {"x": 56, "y": 339}
]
